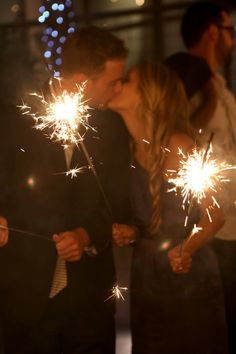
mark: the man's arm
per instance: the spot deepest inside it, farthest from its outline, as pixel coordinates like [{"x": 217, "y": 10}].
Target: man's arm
[
  {"x": 70, "y": 245},
  {"x": 8, "y": 127}
]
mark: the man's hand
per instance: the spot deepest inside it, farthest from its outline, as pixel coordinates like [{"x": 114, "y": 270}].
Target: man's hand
[
  {"x": 211, "y": 90},
  {"x": 180, "y": 261},
  {"x": 3, "y": 231},
  {"x": 124, "y": 234},
  {"x": 70, "y": 244}
]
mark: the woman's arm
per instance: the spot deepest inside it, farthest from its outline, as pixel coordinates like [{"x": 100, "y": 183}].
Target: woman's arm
[
  {"x": 180, "y": 256},
  {"x": 208, "y": 226}
]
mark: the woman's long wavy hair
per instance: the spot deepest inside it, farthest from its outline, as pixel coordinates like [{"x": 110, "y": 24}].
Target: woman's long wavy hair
[{"x": 164, "y": 109}]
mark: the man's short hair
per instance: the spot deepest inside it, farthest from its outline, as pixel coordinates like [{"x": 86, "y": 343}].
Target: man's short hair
[
  {"x": 87, "y": 50},
  {"x": 198, "y": 17}
]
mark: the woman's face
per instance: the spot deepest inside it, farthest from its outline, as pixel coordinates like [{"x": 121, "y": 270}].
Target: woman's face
[{"x": 129, "y": 97}]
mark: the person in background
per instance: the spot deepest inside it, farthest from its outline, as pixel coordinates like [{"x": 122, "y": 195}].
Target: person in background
[
  {"x": 208, "y": 34},
  {"x": 176, "y": 296},
  {"x": 55, "y": 278}
]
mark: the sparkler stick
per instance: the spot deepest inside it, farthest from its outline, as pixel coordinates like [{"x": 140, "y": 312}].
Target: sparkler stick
[
  {"x": 85, "y": 151},
  {"x": 208, "y": 148},
  {"x": 26, "y": 233},
  {"x": 64, "y": 114},
  {"x": 33, "y": 234}
]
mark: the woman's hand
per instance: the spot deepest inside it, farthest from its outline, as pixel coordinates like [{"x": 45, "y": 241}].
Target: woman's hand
[
  {"x": 180, "y": 260},
  {"x": 123, "y": 234}
]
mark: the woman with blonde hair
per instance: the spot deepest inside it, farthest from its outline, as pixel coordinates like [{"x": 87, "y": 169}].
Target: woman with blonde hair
[{"x": 176, "y": 297}]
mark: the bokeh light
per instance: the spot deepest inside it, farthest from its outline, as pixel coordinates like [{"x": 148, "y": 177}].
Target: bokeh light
[{"x": 57, "y": 17}]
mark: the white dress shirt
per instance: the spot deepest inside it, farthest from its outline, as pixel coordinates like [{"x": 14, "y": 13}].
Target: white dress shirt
[{"x": 223, "y": 125}]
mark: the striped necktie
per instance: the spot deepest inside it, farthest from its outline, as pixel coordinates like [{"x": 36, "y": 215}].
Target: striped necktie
[{"x": 59, "y": 281}]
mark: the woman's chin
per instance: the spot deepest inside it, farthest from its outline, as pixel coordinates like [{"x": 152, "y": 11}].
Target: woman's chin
[{"x": 112, "y": 106}]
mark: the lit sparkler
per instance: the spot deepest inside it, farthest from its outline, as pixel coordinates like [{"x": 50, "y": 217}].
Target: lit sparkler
[
  {"x": 116, "y": 292},
  {"x": 64, "y": 113},
  {"x": 198, "y": 175}
]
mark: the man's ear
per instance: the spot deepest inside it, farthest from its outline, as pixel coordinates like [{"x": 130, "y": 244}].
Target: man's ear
[
  {"x": 213, "y": 32},
  {"x": 78, "y": 78}
]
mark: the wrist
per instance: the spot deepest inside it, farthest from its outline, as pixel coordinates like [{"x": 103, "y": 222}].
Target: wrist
[
  {"x": 83, "y": 236},
  {"x": 135, "y": 232}
]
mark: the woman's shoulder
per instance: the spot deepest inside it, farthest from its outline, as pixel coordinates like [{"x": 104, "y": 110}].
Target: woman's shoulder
[
  {"x": 179, "y": 144},
  {"x": 180, "y": 141}
]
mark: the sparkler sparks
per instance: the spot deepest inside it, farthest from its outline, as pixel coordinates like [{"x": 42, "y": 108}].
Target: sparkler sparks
[
  {"x": 64, "y": 113},
  {"x": 198, "y": 175},
  {"x": 195, "y": 230},
  {"x": 73, "y": 172},
  {"x": 146, "y": 141},
  {"x": 116, "y": 292}
]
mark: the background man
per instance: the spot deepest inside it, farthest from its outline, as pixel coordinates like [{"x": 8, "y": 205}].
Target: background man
[{"x": 208, "y": 34}]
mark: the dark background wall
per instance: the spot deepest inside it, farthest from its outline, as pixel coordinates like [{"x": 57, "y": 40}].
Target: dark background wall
[{"x": 150, "y": 29}]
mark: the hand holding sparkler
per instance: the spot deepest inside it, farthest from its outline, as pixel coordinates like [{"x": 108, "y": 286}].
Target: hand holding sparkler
[
  {"x": 64, "y": 114},
  {"x": 211, "y": 220},
  {"x": 123, "y": 234},
  {"x": 199, "y": 179},
  {"x": 179, "y": 261},
  {"x": 71, "y": 244}
]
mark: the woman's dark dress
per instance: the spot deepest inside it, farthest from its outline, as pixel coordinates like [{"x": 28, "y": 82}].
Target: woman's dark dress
[{"x": 172, "y": 313}]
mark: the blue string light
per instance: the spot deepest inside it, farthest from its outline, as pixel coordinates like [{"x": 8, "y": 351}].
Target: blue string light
[{"x": 57, "y": 16}]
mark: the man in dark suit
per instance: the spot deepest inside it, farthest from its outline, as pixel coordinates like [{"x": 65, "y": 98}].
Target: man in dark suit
[{"x": 67, "y": 221}]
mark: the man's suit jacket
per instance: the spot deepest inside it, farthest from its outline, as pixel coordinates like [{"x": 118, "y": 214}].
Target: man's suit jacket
[{"x": 38, "y": 197}]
